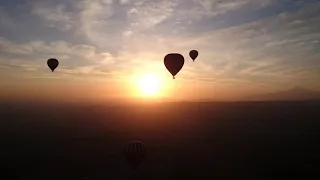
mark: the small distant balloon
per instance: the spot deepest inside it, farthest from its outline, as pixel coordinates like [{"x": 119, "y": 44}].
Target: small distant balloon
[
  {"x": 53, "y": 63},
  {"x": 193, "y": 54},
  {"x": 135, "y": 152},
  {"x": 174, "y": 63}
]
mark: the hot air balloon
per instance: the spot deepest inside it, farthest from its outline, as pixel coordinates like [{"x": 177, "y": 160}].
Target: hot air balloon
[
  {"x": 135, "y": 152},
  {"x": 53, "y": 63},
  {"x": 174, "y": 63},
  {"x": 193, "y": 54}
]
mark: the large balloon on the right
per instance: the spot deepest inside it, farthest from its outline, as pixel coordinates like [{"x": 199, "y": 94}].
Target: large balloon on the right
[
  {"x": 193, "y": 54},
  {"x": 174, "y": 63}
]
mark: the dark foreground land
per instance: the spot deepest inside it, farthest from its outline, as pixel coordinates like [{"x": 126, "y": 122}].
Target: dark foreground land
[{"x": 275, "y": 140}]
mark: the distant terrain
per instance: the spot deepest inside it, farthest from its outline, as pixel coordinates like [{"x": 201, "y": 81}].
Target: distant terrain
[
  {"x": 260, "y": 140},
  {"x": 293, "y": 94}
]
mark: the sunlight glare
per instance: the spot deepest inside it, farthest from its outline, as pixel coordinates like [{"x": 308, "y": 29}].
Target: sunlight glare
[{"x": 149, "y": 85}]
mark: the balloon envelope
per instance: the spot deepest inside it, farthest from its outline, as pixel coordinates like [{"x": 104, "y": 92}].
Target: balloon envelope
[
  {"x": 135, "y": 152},
  {"x": 193, "y": 54},
  {"x": 174, "y": 63},
  {"x": 53, "y": 63}
]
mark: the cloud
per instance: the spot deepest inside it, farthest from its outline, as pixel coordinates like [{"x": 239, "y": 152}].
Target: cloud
[
  {"x": 95, "y": 22},
  {"x": 10, "y": 47},
  {"x": 54, "y": 15},
  {"x": 5, "y": 20},
  {"x": 217, "y": 7},
  {"x": 83, "y": 58},
  {"x": 124, "y": 2},
  {"x": 126, "y": 36},
  {"x": 275, "y": 49},
  {"x": 150, "y": 13}
]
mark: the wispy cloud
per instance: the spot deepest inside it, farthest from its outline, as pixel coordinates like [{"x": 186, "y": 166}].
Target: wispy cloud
[
  {"x": 36, "y": 53},
  {"x": 54, "y": 15},
  {"x": 217, "y": 7}
]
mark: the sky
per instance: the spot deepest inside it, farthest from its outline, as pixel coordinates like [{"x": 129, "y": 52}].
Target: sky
[{"x": 245, "y": 47}]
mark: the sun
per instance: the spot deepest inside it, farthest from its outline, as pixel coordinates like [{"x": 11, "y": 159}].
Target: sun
[{"x": 149, "y": 85}]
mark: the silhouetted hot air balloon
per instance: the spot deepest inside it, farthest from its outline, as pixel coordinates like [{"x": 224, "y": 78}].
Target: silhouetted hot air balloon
[
  {"x": 135, "y": 152},
  {"x": 53, "y": 63},
  {"x": 193, "y": 54},
  {"x": 174, "y": 63}
]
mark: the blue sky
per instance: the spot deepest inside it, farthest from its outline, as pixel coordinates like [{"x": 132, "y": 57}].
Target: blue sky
[{"x": 243, "y": 45}]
